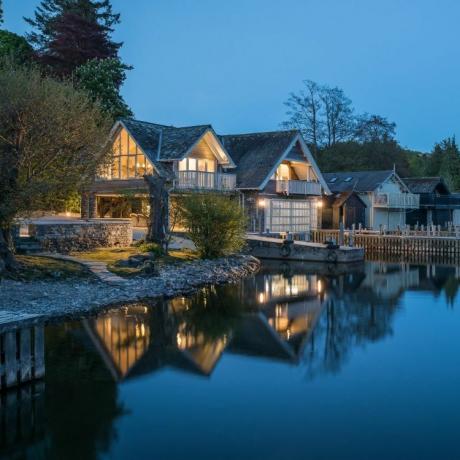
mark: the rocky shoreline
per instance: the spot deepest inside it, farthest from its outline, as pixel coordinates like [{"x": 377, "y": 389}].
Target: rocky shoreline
[{"x": 75, "y": 298}]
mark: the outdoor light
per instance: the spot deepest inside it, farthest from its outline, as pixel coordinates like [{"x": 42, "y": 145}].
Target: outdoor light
[
  {"x": 319, "y": 286},
  {"x": 261, "y": 203},
  {"x": 319, "y": 204}
]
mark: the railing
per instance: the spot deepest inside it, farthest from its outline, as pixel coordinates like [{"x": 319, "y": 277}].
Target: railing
[
  {"x": 396, "y": 200},
  {"x": 205, "y": 180},
  {"x": 298, "y": 187},
  {"x": 446, "y": 201}
]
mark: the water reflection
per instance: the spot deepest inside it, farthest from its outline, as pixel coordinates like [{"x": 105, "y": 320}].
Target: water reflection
[{"x": 297, "y": 314}]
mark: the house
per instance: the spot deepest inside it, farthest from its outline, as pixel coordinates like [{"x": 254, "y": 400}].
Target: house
[
  {"x": 438, "y": 205},
  {"x": 344, "y": 207},
  {"x": 272, "y": 174},
  {"x": 386, "y": 197}
]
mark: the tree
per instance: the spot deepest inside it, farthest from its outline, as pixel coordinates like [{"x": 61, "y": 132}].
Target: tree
[
  {"x": 102, "y": 80},
  {"x": 68, "y": 33},
  {"x": 1, "y": 12},
  {"x": 355, "y": 156},
  {"x": 338, "y": 113},
  {"x": 305, "y": 114},
  {"x": 215, "y": 223},
  {"x": 372, "y": 128},
  {"x": 445, "y": 162},
  {"x": 51, "y": 143},
  {"x": 15, "y": 48}
]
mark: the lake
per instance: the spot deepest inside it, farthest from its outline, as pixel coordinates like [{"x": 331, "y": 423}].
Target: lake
[{"x": 299, "y": 361}]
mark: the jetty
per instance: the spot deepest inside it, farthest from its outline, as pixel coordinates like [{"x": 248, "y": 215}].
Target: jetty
[{"x": 265, "y": 247}]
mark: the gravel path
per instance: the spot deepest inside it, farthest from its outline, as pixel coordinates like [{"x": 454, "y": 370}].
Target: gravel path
[{"x": 57, "y": 299}]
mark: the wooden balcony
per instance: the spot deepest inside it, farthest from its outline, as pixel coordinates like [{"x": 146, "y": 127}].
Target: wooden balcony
[
  {"x": 199, "y": 180},
  {"x": 298, "y": 187},
  {"x": 396, "y": 200}
]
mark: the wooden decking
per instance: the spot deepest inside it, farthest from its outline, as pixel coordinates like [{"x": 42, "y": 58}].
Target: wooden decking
[{"x": 395, "y": 244}]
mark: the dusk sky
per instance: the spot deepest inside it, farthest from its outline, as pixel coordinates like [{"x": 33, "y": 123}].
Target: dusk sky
[{"x": 233, "y": 63}]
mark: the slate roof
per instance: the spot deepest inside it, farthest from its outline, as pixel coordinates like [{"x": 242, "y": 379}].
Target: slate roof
[
  {"x": 175, "y": 142},
  {"x": 256, "y": 154},
  {"x": 425, "y": 184},
  {"x": 358, "y": 181}
]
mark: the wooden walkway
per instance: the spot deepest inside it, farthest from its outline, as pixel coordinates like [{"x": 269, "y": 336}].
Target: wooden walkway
[{"x": 405, "y": 245}]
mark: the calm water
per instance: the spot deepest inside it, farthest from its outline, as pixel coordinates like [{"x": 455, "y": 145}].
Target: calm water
[{"x": 297, "y": 362}]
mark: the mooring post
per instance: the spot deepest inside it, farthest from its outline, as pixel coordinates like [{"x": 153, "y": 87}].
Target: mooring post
[{"x": 341, "y": 234}]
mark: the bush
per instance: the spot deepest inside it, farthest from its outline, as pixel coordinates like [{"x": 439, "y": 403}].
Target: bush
[
  {"x": 215, "y": 223},
  {"x": 154, "y": 248}
]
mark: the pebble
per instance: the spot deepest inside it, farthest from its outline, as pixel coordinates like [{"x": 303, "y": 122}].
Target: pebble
[{"x": 74, "y": 298}]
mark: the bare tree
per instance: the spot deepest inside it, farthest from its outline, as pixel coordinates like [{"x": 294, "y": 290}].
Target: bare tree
[
  {"x": 371, "y": 128},
  {"x": 338, "y": 113},
  {"x": 305, "y": 113}
]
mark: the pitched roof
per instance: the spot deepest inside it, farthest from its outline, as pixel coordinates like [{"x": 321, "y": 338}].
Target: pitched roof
[
  {"x": 170, "y": 142},
  {"x": 358, "y": 181},
  {"x": 425, "y": 184},
  {"x": 256, "y": 154}
]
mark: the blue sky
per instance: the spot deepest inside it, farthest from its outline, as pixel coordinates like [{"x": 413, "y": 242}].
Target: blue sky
[{"x": 233, "y": 63}]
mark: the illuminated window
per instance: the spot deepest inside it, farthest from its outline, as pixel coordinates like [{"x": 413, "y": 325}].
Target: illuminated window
[
  {"x": 128, "y": 160},
  {"x": 283, "y": 172}
]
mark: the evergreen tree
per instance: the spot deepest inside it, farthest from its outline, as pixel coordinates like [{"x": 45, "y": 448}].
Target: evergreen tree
[
  {"x": 68, "y": 33},
  {"x": 101, "y": 80},
  {"x": 1, "y": 12}
]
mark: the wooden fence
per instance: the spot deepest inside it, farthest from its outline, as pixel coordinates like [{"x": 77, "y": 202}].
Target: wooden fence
[
  {"x": 22, "y": 355},
  {"x": 396, "y": 244}
]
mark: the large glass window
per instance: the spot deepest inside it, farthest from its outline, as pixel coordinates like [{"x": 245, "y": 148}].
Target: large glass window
[
  {"x": 197, "y": 164},
  {"x": 128, "y": 160}
]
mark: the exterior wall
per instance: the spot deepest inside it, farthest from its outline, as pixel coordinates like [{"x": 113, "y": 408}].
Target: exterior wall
[
  {"x": 390, "y": 219},
  {"x": 61, "y": 236}
]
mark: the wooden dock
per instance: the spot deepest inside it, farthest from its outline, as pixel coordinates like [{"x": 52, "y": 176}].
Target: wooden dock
[
  {"x": 265, "y": 247},
  {"x": 395, "y": 244},
  {"x": 22, "y": 349}
]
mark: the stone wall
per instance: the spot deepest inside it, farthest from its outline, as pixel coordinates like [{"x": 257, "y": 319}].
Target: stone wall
[{"x": 81, "y": 235}]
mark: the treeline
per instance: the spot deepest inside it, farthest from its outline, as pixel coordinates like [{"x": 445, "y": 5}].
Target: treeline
[
  {"x": 71, "y": 40},
  {"x": 342, "y": 140}
]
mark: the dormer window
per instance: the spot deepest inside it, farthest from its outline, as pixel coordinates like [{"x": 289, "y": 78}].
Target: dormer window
[{"x": 197, "y": 164}]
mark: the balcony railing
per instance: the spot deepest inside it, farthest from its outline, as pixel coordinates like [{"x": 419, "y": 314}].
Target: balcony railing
[
  {"x": 298, "y": 187},
  {"x": 204, "y": 181},
  {"x": 396, "y": 200}
]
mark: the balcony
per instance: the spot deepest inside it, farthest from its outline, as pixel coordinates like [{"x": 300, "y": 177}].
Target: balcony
[
  {"x": 298, "y": 187},
  {"x": 396, "y": 200},
  {"x": 200, "y": 180}
]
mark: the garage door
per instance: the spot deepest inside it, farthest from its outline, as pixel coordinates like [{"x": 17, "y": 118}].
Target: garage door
[{"x": 295, "y": 216}]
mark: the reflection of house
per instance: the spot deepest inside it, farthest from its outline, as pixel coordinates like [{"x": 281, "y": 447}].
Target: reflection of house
[
  {"x": 274, "y": 173},
  {"x": 139, "y": 340},
  {"x": 438, "y": 205},
  {"x": 386, "y": 196}
]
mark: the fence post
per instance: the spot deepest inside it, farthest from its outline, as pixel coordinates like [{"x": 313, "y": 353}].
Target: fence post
[{"x": 341, "y": 234}]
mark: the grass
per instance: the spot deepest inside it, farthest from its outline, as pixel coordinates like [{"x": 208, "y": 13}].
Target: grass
[
  {"x": 112, "y": 255},
  {"x": 34, "y": 268}
]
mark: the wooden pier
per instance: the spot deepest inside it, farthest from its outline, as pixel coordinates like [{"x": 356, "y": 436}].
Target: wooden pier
[
  {"x": 22, "y": 349},
  {"x": 405, "y": 244}
]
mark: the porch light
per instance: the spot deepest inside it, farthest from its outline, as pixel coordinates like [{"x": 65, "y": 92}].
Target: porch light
[
  {"x": 261, "y": 203},
  {"x": 319, "y": 286},
  {"x": 319, "y": 204}
]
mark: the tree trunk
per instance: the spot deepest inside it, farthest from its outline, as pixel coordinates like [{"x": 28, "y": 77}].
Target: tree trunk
[
  {"x": 7, "y": 259},
  {"x": 159, "y": 210}
]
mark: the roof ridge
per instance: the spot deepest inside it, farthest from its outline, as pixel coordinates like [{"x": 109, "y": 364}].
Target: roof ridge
[
  {"x": 363, "y": 171},
  {"x": 261, "y": 133}
]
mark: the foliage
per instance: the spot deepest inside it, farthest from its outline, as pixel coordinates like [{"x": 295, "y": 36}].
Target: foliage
[
  {"x": 15, "y": 48},
  {"x": 325, "y": 116},
  {"x": 68, "y": 33},
  {"x": 355, "y": 156},
  {"x": 102, "y": 78},
  {"x": 154, "y": 248},
  {"x": 215, "y": 223},
  {"x": 444, "y": 161},
  {"x": 50, "y": 142},
  {"x": 1, "y": 12}
]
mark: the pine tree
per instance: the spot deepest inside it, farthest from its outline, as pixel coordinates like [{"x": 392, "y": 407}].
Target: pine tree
[{"x": 68, "y": 33}]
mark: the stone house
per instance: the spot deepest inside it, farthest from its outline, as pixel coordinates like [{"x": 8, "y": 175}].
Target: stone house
[
  {"x": 386, "y": 197},
  {"x": 272, "y": 174}
]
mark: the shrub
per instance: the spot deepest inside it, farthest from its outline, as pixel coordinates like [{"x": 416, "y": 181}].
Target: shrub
[{"x": 215, "y": 223}]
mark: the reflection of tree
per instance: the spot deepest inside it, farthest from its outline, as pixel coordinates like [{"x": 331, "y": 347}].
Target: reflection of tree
[
  {"x": 81, "y": 398},
  {"x": 212, "y": 313},
  {"x": 353, "y": 318}
]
